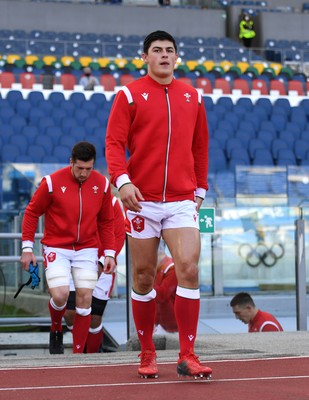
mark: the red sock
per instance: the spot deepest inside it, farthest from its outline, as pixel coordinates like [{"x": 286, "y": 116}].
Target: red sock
[
  {"x": 144, "y": 313},
  {"x": 80, "y": 332},
  {"x": 94, "y": 341},
  {"x": 186, "y": 313},
  {"x": 56, "y": 316}
]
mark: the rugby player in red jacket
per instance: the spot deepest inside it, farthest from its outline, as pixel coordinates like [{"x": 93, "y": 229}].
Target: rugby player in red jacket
[
  {"x": 76, "y": 202},
  {"x": 162, "y": 123},
  {"x": 246, "y": 311}
]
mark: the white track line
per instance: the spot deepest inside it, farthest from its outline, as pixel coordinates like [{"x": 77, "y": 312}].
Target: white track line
[{"x": 153, "y": 382}]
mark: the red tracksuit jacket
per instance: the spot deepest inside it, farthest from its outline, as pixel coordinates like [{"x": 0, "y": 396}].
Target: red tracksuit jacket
[
  {"x": 77, "y": 216},
  {"x": 165, "y": 130}
]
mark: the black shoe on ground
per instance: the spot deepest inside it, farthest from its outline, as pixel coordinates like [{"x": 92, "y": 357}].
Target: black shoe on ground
[{"x": 56, "y": 343}]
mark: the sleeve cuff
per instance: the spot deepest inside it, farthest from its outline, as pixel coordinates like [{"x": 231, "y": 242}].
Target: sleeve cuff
[
  {"x": 109, "y": 253},
  {"x": 27, "y": 244},
  {"x": 101, "y": 260},
  {"x": 122, "y": 180},
  {"x": 200, "y": 192}
]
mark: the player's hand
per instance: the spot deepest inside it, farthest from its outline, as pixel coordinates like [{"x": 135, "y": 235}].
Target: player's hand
[
  {"x": 130, "y": 197},
  {"x": 109, "y": 265},
  {"x": 199, "y": 202},
  {"x": 26, "y": 258}
]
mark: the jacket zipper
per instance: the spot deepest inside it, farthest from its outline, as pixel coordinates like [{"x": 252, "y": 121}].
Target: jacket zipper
[
  {"x": 168, "y": 143},
  {"x": 80, "y": 212}
]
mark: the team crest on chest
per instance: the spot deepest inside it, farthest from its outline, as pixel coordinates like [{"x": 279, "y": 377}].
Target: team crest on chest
[
  {"x": 95, "y": 189},
  {"x": 187, "y": 96}
]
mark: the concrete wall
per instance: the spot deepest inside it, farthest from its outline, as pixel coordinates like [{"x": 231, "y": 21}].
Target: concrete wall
[{"x": 122, "y": 19}]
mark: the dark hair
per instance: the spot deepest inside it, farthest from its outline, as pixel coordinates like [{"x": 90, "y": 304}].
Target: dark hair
[
  {"x": 157, "y": 35},
  {"x": 242, "y": 299},
  {"x": 83, "y": 151}
]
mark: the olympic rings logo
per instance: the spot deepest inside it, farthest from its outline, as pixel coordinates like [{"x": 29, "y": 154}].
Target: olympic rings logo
[{"x": 260, "y": 253}]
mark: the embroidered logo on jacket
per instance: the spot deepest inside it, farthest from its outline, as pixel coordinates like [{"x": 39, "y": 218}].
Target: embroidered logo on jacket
[
  {"x": 95, "y": 189},
  {"x": 138, "y": 224},
  {"x": 145, "y": 95},
  {"x": 63, "y": 188},
  {"x": 51, "y": 256},
  {"x": 187, "y": 96}
]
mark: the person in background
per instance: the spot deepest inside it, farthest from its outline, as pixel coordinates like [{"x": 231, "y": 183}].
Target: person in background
[
  {"x": 87, "y": 80},
  {"x": 246, "y": 30},
  {"x": 102, "y": 290},
  {"x": 165, "y": 285},
  {"x": 246, "y": 311},
  {"x": 76, "y": 202},
  {"x": 162, "y": 123}
]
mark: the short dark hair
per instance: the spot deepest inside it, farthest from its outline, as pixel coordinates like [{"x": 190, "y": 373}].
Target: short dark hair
[
  {"x": 83, "y": 151},
  {"x": 242, "y": 299},
  {"x": 158, "y": 35}
]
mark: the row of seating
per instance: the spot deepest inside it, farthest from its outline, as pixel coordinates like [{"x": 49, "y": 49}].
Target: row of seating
[
  {"x": 208, "y": 84},
  {"x": 259, "y": 134}
]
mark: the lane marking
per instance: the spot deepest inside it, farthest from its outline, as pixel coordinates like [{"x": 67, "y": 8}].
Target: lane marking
[
  {"x": 266, "y": 378},
  {"x": 68, "y": 366}
]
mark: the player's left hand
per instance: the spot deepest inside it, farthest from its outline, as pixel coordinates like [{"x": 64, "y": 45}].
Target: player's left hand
[
  {"x": 109, "y": 265},
  {"x": 199, "y": 202}
]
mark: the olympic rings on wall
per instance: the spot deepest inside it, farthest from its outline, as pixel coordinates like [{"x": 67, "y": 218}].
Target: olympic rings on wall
[{"x": 260, "y": 253}]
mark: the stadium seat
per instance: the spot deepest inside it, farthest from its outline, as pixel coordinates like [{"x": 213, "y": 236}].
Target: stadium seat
[
  {"x": 9, "y": 152},
  {"x": 279, "y": 86},
  {"x": 262, "y": 157},
  {"x": 63, "y": 153},
  {"x": 261, "y": 85},
  {"x": 108, "y": 82},
  {"x": 77, "y": 98},
  {"x": 27, "y": 80},
  {"x": 255, "y": 144},
  {"x": 205, "y": 84},
  {"x": 286, "y": 157},
  {"x": 301, "y": 147},
  {"x": 223, "y": 84},
  {"x": 37, "y": 153},
  {"x": 242, "y": 85},
  {"x": 231, "y": 144},
  {"x": 7, "y": 79},
  {"x": 68, "y": 81},
  {"x": 297, "y": 87},
  {"x": 46, "y": 141},
  {"x": 217, "y": 161},
  {"x": 20, "y": 141},
  {"x": 277, "y": 145}
]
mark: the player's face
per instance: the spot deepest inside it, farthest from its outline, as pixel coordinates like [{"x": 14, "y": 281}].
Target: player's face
[
  {"x": 161, "y": 59},
  {"x": 81, "y": 169},
  {"x": 242, "y": 313}
]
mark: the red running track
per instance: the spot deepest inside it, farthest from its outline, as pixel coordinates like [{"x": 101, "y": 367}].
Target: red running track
[{"x": 256, "y": 379}]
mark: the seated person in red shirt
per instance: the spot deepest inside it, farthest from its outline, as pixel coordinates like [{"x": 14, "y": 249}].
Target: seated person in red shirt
[
  {"x": 246, "y": 311},
  {"x": 165, "y": 285}
]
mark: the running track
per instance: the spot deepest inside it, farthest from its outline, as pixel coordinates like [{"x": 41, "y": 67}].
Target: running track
[{"x": 284, "y": 378}]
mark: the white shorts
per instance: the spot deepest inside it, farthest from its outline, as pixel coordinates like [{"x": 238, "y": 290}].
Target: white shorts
[
  {"x": 60, "y": 262},
  {"x": 157, "y": 216},
  {"x": 103, "y": 287}
]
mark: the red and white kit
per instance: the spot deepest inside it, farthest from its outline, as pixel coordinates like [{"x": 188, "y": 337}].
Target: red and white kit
[
  {"x": 77, "y": 216},
  {"x": 161, "y": 162},
  {"x": 264, "y": 322}
]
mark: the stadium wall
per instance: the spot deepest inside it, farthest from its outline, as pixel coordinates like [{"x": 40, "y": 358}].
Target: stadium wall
[{"x": 122, "y": 19}]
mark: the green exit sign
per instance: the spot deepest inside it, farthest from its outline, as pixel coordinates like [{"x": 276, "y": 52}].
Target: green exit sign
[{"x": 207, "y": 220}]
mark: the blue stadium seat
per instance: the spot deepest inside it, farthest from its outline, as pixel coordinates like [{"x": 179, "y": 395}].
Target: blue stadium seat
[
  {"x": 301, "y": 147},
  {"x": 255, "y": 144},
  {"x": 90, "y": 124},
  {"x": 267, "y": 137},
  {"x": 46, "y": 142},
  {"x": 221, "y": 135},
  {"x": 278, "y": 144},
  {"x": 35, "y": 114},
  {"x": 56, "y": 98},
  {"x": 245, "y": 102},
  {"x": 77, "y": 98},
  {"x": 55, "y": 133},
  {"x": 63, "y": 153},
  {"x": 13, "y": 96},
  {"x": 286, "y": 157},
  {"x": 81, "y": 115},
  {"x": 35, "y": 97},
  {"x": 231, "y": 144},
  {"x": 68, "y": 106},
  {"x": 18, "y": 123},
  {"x": 262, "y": 157},
  {"x": 20, "y": 141},
  {"x": 9, "y": 152},
  {"x": 30, "y": 132},
  {"x": 67, "y": 123},
  {"x": 45, "y": 122},
  {"x": 23, "y": 108},
  {"x": 217, "y": 161},
  {"x": 288, "y": 136},
  {"x": 37, "y": 153},
  {"x": 6, "y": 113}
]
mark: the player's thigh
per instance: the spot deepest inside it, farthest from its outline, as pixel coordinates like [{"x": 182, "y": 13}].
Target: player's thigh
[
  {"x": 184, "y": 245},
  {"x": 144, "y": 253}
]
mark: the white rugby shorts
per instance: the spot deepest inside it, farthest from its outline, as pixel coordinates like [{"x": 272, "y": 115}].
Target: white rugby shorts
[{"x": 157, "y": 216}]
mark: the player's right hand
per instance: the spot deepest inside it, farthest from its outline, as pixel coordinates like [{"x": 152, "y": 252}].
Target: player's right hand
[
  {"x": 130, "y": 197},
  {"x": 26, "y": 258}
]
